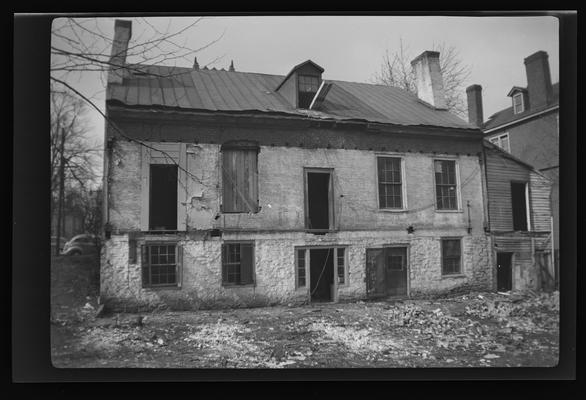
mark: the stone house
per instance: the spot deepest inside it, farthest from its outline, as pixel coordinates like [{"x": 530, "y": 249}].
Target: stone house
[
  {"x": 529, "y": 128},
  {"x": 228, "y": 188}
]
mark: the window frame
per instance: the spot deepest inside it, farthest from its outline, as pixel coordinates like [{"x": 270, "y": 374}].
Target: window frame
[
  {"x": 331, "y": 199},
  {"x": 178, "y": 265},
  {"x": 403, "y": 182},
  {"x": 298, "y": 82},
  {"x": 253, "y": 263},
  {"x": 527, "y": 205},
  {"x": 461, "y": 263},
  {"x": 458, "y": 192},
  {"x": 498, "y": 139},
  {"x": 521, "y": 103}
]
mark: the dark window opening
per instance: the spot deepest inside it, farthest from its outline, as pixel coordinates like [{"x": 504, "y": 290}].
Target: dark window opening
[
  {"x": 237, "y": 264},
  {"x": 240, "y": 182},
  {"x": 341, "y": 266},
  {"x": 451, "y": 256},
  {"x": 445, "y": 184},
  {"x": 308, "y": 86},
  {"x": 321, "y": 274},
  {"x": 163, "y": 198},
  {"x": 519, "y": 202},
  {"x": 160, "y": 265},
  {"x": 389, "y": 182},
  {"x": 318, "y": 201}
]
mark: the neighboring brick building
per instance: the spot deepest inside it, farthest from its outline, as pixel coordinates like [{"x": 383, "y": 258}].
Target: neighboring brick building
[
  {"x": 529, "y": 131},
  {"x": 225, "y": 188}
]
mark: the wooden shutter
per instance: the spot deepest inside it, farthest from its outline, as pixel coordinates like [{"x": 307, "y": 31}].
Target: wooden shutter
[
  {"x": 145, "y": 265},
  {"x": 179, "y": 264},
  {"x": 239, "y": 175},
  {"x": 182, "y": 188},
  {"x": 246, "y": 264}
]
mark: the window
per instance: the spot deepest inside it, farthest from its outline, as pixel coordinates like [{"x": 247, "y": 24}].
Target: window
[
  {"x": 341, "y": 263},
  {"x": 161, "y": 263},
  {"x": 319, "y": 200},
  {"x": 451, "y": 256},
  {"x": 308, "y": 86},
  {"x": 519, "y": 204},
  {"x": 501, "y": 141},
  {"x": 301, "y": 282},
  {"x": 163, "y": 198},
  {"x": 446, "y": 188},
  {"x": 518, "y": 105},
  {"x": 390, "y": 182},
  {"x": 237, "y": 263},
  {"x": 240, "y": 178}
]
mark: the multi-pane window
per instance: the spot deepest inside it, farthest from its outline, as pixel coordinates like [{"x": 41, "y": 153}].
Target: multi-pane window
[
  {"x": 446, "y": 187},
  {"x": 301, "y": 268},
  {"x": 161, "y": 264},
  {"x": 308, "y": 86},
  {"x": 340, "y": 266},
  {"x": 390, "y": 182},
  {"x": 501, "y": 141},
  {"x": 451, "y": 256},
  {"x": 518, "y": 105},
  {"x": 395, "y": 262},
  {"x": 240, "y": 179},
  {"x": 237, "y": 264}
]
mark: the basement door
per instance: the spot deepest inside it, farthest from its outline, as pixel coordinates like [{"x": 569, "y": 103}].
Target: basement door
[
  {"x": 504, "y": 272},
  {"x": 386, "y": 272}
]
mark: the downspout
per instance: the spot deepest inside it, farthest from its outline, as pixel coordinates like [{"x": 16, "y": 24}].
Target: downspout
[{"x": 484, "y": 166}]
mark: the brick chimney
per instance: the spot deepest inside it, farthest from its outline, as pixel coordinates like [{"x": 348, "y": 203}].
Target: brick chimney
[
  {"x": 474, "y": 96},
  {"x": 122, "y": 34},
  {"x": 538, "y": 79},
  {"x": 429, "y": 81}
]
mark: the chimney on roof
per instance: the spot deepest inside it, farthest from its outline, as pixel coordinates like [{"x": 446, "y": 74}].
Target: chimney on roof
[
  {"x": 195, "y": 64},
  {"x": 429, "y": 81},
  {"x": 122, "y": 34},
  {"x": 231, "y": 66},
  {"x": 474, "y": 96},
  {"x": 538, "y": 79}
]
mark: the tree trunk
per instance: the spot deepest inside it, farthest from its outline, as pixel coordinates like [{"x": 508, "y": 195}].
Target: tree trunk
[{"x": 61, "y": 191}]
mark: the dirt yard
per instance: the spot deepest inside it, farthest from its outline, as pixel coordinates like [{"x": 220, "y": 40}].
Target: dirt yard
[{"x": 465, "y": 330}]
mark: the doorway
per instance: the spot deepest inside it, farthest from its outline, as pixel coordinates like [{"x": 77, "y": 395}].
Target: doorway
[
  {"x": 318, "y": 200},
  {"x": 321, "y": 274},
  {"x": 163, "y": 197},
  {"x": 386, "y": 272},
  {"x": 504, "y": 272}
]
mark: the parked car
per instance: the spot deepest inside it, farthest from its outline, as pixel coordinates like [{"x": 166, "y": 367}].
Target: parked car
[
  {"x": 82, "y": 244},
  {"x": 62, "y": 242}
]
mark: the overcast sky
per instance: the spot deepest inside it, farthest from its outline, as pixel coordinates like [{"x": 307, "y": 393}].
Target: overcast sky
[{"x": 352, "y": 48}]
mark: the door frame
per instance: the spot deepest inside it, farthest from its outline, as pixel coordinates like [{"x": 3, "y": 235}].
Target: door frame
[
  {"x": 307, "y": 250},
  {"x": 496, "y": 267},
  {"x": 407, "y": 262},
  {"x": 331, "y": 205}
]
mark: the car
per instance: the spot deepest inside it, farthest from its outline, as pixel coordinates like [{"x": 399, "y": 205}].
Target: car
[
  {"x": 82, "y": 244},
  {"x": 62, "y": 242}
]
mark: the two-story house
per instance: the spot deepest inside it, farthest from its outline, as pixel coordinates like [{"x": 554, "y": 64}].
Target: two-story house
[
  {"x": 227, "y": 188},
  {"x": 529, "y": 128}
]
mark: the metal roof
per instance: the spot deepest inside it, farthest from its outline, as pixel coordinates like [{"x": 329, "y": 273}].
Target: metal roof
[{"x": 220, "y": 90}]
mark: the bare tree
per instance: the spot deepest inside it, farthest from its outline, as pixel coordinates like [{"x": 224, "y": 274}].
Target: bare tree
[{"x": 396, "y": 71}]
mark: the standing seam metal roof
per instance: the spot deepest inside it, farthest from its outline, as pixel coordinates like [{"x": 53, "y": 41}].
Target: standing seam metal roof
[{"x": 220, "y": 90}]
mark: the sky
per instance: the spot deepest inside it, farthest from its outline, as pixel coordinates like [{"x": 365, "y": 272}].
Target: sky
[{"x": 348, "y": 48}]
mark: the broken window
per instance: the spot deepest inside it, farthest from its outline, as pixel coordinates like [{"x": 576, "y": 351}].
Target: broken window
[
  {"x": 308, "y": 86},
  {"x": 238, "y": 263},
  {"x": 446, "y": 189},
  {"x": 163, "y": 198},
  {"x": 390, "y": 190},
  {"x": 161, "y": 264},
  {"x": 319, "y": 210},
  {"x": 240, "y": 178},
  {"x": 451, "y": 256},
  {"x": 519, "y": 203}
]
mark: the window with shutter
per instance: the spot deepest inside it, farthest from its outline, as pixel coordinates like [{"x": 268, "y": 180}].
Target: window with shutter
[
  {"x": 240, "y": 179},
  {"x": 238, "y": 263}
]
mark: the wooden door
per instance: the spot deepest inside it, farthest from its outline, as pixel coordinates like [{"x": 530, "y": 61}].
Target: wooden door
[
  {"x": 375, "y": 273},
  {"x": 396, "y": 271},
  {"x": 504, "y": 272}
]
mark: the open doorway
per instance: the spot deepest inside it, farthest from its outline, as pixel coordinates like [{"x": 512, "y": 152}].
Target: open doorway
[
  {"x": 318, "y": 200},
  {"x": 163, "y": 197},
  {"x": 504, "y": 272},
  {"x": 321, "y": 270}
]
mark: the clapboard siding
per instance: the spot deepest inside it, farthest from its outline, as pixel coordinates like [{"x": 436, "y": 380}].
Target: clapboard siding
[
  {"x": 540, "y": 202},
  {"x": 500, "y": 172}
]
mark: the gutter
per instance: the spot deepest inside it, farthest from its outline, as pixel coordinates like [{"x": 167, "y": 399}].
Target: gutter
[{"x": 522, "y": 119}]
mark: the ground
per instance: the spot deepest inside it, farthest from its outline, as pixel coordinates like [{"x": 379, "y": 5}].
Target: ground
[{"x": 461, "y": 330}]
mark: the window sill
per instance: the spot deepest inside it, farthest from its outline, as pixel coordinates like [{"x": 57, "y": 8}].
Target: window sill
[
  {"x": 449, "y": 211},
  {"x": 163, "y": 287},
  {"x": 392, "y": 210},
  {"x": 235, "y": 285},
  {"x": 455, "y": 276}
]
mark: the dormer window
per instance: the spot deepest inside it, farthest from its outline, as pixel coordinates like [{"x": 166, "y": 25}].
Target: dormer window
[
  {"x": 308, "y": 86},
  {"x": 518, "y": 106}
]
